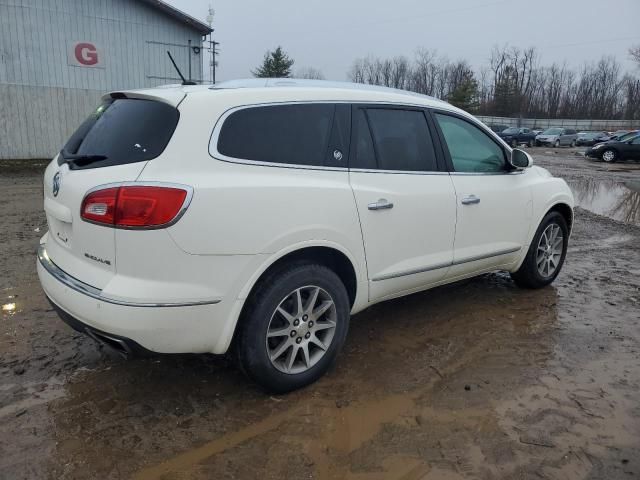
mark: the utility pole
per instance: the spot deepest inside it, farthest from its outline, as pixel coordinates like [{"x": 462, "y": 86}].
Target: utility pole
[
  {"x": 189, "y": 53},
  {"x": 212, "y": 45}
]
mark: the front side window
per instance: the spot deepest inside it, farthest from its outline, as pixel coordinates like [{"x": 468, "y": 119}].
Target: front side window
[
  {"x": 471, "y": 150},
  {"x": 290, "y": 134},
  {"x": 401, "y": 140}
]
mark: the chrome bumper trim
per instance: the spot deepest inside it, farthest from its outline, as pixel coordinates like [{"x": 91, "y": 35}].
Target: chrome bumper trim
[{"x": 96, "y": 293}]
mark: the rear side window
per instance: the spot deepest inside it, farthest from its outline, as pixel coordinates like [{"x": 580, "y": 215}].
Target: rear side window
[
  {"x": 121, "y": 131},
  {"x": 401, "y": 140},
  {"x": 289, "y": 134}
]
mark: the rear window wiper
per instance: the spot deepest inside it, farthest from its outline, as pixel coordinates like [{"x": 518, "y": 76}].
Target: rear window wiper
[{"x": 66, "y": 157}]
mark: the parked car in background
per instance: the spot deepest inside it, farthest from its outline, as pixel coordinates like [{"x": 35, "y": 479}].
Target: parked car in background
[
  {"x": 515, "y": 136},
  {"x": 618, "y": 133},
  {"x": 557, "y": 137},
  {"x": 497, "y": 127},
  {"x": 172, "y": 226},
  {"x": 614, "y": 150},
  {"x": 624, "y": 136},
  {"x": 537, "y": 131},
  {"x": 589, "y": 139}
]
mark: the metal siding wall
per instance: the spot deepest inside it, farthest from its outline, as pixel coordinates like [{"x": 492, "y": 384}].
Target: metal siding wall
[{"x": 42, "y": 98}]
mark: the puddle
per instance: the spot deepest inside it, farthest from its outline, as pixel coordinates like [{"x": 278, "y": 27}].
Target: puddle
[{"x": 616, "y": 200}]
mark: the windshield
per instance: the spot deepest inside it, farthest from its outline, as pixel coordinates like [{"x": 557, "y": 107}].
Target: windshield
[
  {"x": 122, "y": 131},
  {"x": 510, "y": 130},
  {"x": 552, "y": 131}
]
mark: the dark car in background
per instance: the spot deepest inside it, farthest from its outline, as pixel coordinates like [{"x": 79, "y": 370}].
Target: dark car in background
[
  {"x": 515, "y": 136},
  {"x": 614, "y": 150},
  {"x": 623, "y": 135},
  {"x": 588, "y": 139},
  {"x": 497, "y": 127}
]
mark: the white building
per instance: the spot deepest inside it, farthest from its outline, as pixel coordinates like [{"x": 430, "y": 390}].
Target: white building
[{"x": 57, "y": 57}]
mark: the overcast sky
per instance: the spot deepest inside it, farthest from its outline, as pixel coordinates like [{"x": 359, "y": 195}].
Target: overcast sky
[{"x": 330, "y": 34}]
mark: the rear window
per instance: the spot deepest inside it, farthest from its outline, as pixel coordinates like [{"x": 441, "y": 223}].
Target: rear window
[
  {"x": 122, "y": 131},
  {"x": 402, "y": 140},
  {"x": 289, "y": 134}
]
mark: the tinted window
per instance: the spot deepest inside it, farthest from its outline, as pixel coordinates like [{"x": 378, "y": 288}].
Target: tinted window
[
  {"x": 365, "y": 156},
  {"x": 568, "y": 131},
  {"x": 471, "y": 150},
  {"x": 401, "y": 140},
  {"x": 124, "y": 131},
  {"x": 291, "y": 134}
]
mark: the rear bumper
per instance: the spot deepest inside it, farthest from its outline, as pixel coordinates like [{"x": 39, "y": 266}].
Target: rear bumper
[{"x": 163, "y": 328}]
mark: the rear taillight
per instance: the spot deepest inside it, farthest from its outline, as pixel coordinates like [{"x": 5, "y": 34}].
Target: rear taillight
[{"x": 135, "y": 206}]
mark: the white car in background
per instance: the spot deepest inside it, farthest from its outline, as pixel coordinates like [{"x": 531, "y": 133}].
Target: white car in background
[{"x": 261, "y": 214}]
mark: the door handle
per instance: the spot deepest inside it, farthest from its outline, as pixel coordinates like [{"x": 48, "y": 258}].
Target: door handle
[
  {"x": 381, "y": 204},
  {"x": 470, "y": 200}
]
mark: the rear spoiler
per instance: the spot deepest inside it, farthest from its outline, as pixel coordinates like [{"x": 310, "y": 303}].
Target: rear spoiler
[{"x": 171, "y": 96}]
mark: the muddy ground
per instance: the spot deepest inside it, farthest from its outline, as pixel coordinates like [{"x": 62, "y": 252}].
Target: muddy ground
[{"x": 474, "y": 380}]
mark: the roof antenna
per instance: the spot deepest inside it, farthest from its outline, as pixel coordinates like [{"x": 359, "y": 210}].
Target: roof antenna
[{"x": 184, "y": 80}]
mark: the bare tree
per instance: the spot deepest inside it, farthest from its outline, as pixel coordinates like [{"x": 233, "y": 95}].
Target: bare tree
[
  {"x": 512, "y": 83},
  {"x": 635, "y": 54},
  {"x": 309, "y": 73}
]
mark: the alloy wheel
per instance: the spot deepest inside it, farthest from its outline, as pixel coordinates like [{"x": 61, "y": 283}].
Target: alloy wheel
[
  {"x": 301, "y": 329},
  {"x": 549, "y": 250},
  {"x": 609, "y": 156}
]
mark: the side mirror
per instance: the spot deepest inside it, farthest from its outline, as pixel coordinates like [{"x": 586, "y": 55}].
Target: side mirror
[{"x": 520, "y": 159}]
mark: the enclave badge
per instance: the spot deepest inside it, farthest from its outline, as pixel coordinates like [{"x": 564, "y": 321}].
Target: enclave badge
[{"x": 56, "y": 184}]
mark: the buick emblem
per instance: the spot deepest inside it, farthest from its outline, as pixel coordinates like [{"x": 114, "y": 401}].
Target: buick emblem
[{"x": 56, "y": 184}]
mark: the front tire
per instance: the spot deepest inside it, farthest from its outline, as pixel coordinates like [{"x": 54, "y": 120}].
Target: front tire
[
  {"x": 514, "y": 143},
  {"x": 609, "y": 156},
  {"x": 546, "y": 253},
  {"x": 530, "y": 143},
  {"x": 557, "y": 144},
  {"x": 293, "y": 327}
]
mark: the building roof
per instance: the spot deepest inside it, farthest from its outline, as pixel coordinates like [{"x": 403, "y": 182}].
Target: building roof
[{"x": 179, "y": 15}]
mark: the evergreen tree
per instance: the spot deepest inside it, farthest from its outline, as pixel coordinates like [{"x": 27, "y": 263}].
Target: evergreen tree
[
  {"x": 465, "y": 95},
  {"x": 275, "y": 64}
]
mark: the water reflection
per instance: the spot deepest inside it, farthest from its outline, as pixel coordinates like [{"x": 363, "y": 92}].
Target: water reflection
[{"x": 619, "y": 201}]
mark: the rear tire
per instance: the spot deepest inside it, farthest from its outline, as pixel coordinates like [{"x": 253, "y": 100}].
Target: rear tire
[
  {"x": 285, "y": 340},
  {"x": 546, "y": 253},
  {"x": 609, "y": 156}
]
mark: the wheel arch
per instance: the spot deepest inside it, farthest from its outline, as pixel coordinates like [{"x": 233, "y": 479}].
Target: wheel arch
[
  {"x": 329, "y": 256},
  {"x": 565, "y": 210},
  {"x": 340, "y": 260}
]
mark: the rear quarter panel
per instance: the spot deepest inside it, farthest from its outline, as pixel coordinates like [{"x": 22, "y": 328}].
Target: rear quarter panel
[{"x": 247, "y": 209}]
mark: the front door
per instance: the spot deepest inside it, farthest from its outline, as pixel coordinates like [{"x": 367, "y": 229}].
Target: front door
[
  {"x": 406, "y": 204},
  {"x": 494, "y": 202}
]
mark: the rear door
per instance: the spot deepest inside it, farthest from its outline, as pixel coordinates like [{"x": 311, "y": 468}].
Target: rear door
[
  {"x": 112, "y": 145},
  {"x": 406, "y": 203},
  {"x": 494, "y": 203}
]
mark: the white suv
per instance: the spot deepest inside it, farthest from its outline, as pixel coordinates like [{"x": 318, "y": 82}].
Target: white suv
[{"x": 258, "y": 215}]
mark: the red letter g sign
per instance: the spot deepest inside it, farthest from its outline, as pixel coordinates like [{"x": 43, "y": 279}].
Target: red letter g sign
[{"x": 86, "y": 54}]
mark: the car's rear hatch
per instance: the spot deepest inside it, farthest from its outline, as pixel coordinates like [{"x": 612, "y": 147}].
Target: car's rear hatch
[{"x": 113, "y": 145}]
